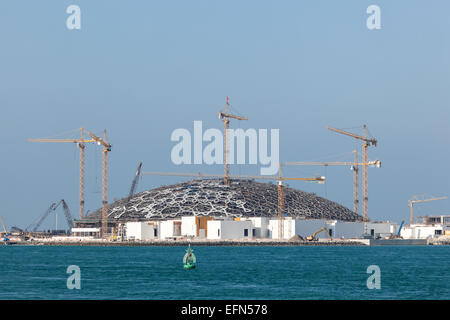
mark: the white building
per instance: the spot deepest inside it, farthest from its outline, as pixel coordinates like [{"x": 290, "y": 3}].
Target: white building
[
  {"x": 261, "y": 226},
  {"x": 428, "y": 227},
  {"x": 230, "y": 229},
  {"x": 170, "y": 229},
  {"x": 301, "y": 227},
  {"x": 337, "y": 229},
  {"x": 349, "y": 230},
  {"x": 142, "y": 230},
  {"x": 188, "y": 226},
  {"x": 422, "y": 231},
  {"x": 346, "y": 230},
  {"x": 86, "y": 232},
  {"x": 195, "y": 226}
]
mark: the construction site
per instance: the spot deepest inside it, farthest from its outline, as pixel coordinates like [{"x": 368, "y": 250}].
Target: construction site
[{"x": 225, "y": 207}]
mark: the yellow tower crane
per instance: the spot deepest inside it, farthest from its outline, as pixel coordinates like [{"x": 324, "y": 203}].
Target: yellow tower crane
[
  {"x": 225, "y": 117},
  {"x": 106, "y": 148},
  {"x": 366, "y": 143},
  {"x": 81, "y": 144},
  {"x": 279, "y": 178},
  {"x": 281, "y": 201},
  {"x": 353, "y": 165},
  {"x": 414, "y": 200}
]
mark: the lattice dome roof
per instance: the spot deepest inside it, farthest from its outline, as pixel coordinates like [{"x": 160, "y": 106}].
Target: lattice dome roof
[{"x": 210, "y": 197}]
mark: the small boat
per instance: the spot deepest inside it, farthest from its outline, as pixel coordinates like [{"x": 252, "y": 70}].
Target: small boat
[{"x": 189, "y": 259}]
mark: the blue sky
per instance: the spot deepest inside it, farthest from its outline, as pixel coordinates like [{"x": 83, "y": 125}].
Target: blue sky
[{"x": 141, "y": 69}]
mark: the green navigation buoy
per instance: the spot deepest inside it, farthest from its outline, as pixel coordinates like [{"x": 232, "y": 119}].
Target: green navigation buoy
[{"x": 189, "y": 259}]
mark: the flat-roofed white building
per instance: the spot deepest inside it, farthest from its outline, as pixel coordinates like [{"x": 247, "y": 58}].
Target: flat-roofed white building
[
  {"x": 422, "y": 231},
  {"x": 195, "y": 226},
  {"x": 188, "y": 226},
  {"x": 261, "y": 226},
  {"x": 170, "y": 229},
  {"x": 346, "y": 230},
  {"x": 382, "y": 228},
  {"x": 336, "y": 229},
  {"x": 230, "y": 229},
  {"x": 301, "y": 227},
  {"x": 357, "y": 229},
  {"x": 85, "y": 232},
  {"x": 141, "y": 230}
]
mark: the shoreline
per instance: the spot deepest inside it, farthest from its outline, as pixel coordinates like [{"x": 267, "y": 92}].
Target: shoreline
[
  {"x": 183, "y": 243},
  {"x": 233, "y": 243}
]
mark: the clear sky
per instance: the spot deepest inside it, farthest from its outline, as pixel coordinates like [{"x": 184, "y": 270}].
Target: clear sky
[{"x": 141, "y": 69}]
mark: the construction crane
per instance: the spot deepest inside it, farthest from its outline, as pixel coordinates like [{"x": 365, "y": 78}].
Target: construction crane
[
  {"x": 135, "y": 181},
  {"x": 279, "y": 178},
  {"x": 366, "y": 143},
  {"x": 281, "y": 201},
  {"x": 225, "y": 117},
  {"x": 5, "y": 233},
  {"x": 67, "y": 214},
  {"x": 81, "y": 144},
  {"x": 106, "y": 148},
  {"x": 414, "y": 201},
  {"x": 50, "y": 209},
  {"x": 37, "y": 224},
  {"x": 313, "y": 236},
  {"x": 353, "y": 166}
]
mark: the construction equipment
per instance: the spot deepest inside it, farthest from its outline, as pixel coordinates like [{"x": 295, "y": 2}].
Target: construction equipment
[
  {"x": 67, "y": 214},
  {"x": 354, "y": 166},
  {"x": 280, "y": 179},
  {"x": 281, "y": 201},
  {"x": 415, "y": 200},
  {"x": 106, "y": 148},
  {"x": 397, "y": 235},
  {"x": 400, "y": 229},
  {"x": 81, "y": 144},
  {"x": 366, "y": 143},
  {"x": 36, "y": 225},
  {"x": 50, "y": 209},
  {"x": 5, "y": 233},
  {"x": 225, "y": 117},
  {"x": 135, "y": 181},
  {"x": 313, "y": 236}
]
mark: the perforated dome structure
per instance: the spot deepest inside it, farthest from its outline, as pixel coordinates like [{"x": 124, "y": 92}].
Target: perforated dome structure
[{"x": 210, "y": 197}]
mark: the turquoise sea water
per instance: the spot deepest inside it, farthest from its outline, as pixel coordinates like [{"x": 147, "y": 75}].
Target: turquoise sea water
[{"x": 407, "y": 272}]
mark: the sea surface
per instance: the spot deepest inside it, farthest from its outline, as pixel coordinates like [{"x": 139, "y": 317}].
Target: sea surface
[{"x": 303, "y": 272}]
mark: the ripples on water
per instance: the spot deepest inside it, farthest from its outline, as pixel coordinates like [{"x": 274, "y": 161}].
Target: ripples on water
[{"x": 407, "y": 272}]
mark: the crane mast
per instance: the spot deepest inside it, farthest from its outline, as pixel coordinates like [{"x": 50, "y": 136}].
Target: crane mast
[
  {"x": 225, "y": 117},
  {"x": 365, "y": 182},
  {"x": 82, "y": 166},
  {"x": 353, "y": 165},
  {"x": 106, "y": 148},
  {"x": 365, "y": 158},
  {"x": 81, "y": 145},
  {"x": 355, "y": 169},
  {"x": 280, "y": 203}
]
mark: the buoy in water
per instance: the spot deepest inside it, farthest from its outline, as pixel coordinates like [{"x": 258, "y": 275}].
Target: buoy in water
[{"x": 189, "y": 259}]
